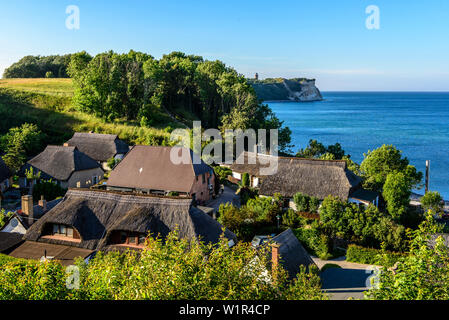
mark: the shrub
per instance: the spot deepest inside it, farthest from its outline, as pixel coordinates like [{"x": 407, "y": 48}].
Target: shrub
[
  {"x": 364, "y": 255},
  {"x": 314, "y": 242},
  {"x": 49, "y": 189},
  {"x": 245, "y": 179},
  {"x": 173, "y": 269},
  {"x": 432, "y": 201},
  {"x": 301, "y": 201},
  {"x": 222, "y": 173},
  {"x": 314, "y": 204},
  {"x": 293, "y": 219}
]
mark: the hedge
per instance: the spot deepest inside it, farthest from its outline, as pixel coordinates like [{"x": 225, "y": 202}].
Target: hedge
[
  {"x": 373, "y": 256},
  {"x": 6, "y": 259}
]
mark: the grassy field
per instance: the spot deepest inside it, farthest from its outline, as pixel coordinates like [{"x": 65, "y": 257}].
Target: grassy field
[
  {"x": 48, "y": 104},
  {"x": 60, "y": 87}
]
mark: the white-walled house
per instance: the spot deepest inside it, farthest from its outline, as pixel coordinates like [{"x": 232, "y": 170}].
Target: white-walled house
[{"x": 67, "y": 166}]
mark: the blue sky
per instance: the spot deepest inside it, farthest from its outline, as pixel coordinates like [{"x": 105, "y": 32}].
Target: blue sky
[{"x": 321, "y": 39}]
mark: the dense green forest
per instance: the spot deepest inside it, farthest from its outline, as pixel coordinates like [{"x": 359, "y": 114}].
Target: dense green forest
[
  {"x": 137, "y": 87},
  {"x": 54, "y": 66}
]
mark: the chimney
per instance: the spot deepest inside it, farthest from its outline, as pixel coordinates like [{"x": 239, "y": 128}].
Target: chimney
[
  {"x": 274, "y": 258},
  {"x": 27, "y": 208},
  {"x": 43, "y": 203},
  {"x": 427, "y": 174}
]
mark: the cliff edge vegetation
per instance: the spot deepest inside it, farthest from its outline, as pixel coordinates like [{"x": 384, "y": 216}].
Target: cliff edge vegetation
[{"x": 296, "y": 89}]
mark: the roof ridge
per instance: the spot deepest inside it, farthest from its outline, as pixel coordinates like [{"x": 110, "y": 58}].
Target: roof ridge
[{"x": 84, "y": 191}]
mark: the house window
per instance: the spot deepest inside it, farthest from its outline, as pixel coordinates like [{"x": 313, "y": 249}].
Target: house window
[
  {"x": 142, "y": 239},
  {"x": 132, "y": 240},
  {"x": 123, "y": 237},
  {"x": 62, "y": 230},
  {"x": 78, "y": 184},
  {"x": 127, "y": 238}
]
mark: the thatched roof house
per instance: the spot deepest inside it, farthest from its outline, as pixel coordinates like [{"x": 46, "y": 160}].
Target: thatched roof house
[
  {"x": 151, "y": 169},
  {"x": 66, "y": 165},
  {"x": 99, "y": 219},
  {"x": 318, "y": 178},
  {"x": 100, "y": 147},
  {"x": 291, "y": 252}
]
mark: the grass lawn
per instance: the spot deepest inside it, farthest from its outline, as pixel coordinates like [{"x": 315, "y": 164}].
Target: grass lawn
[
  {"x": 60, "y": 86},
  {"x": 48, "y": 104}
]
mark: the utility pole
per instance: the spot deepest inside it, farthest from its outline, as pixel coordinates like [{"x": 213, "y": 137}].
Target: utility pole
[{"x": 427, "y": 174}]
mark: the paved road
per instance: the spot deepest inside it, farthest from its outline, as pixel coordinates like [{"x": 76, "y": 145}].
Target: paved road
[
  {"x": 349, "y": 281},
  {"x": 228, "y": 196}
]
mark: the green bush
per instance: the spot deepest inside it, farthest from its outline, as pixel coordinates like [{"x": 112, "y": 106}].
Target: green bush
[
  {"x": 49, "y": 189},
  {"x": 314, "y": 242},
  {"x": 301, "y": 201},
  {"x": 245, "y": 180},
  {"x": 314, "y": 204},
  {"x": 364, "y": 255},
  {"x": 222, "y": 173}
]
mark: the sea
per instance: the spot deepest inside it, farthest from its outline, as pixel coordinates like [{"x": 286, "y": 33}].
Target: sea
[{"x": 417, "y": 123}]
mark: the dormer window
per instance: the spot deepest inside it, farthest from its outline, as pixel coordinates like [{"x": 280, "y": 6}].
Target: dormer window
[
  {"x": 127, "y": 238},
  {"x": 62, "y": 230}
]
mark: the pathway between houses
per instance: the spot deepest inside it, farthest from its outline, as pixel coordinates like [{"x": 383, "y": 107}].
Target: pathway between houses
[
  {"x": 348, "y": 282},
  {"x": 228, "y": 196}
]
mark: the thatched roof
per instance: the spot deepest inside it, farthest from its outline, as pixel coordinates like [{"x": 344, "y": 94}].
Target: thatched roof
[
  {"x": 150, "y": 167},
  {"x": 318, "y": 178},
  {"x": 9, "y": 241},
  {"x": 99, "y": 147},
  {"x": 5, "y": 173},
  {"x": 60, "y": 162},
  {"x": 95, "y": 214},
  {"x": 292, "y": 253}
]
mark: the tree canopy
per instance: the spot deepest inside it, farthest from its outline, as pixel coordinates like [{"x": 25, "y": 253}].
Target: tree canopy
[
  {"x": 379, "y": 163},
  {"x": 134, "y": 85},
  {"x": 173, "y": 269},
  {"x": 54, "y": 66}
]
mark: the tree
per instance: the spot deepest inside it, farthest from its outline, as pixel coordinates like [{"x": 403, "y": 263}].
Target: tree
[
  {"x": 317, "y": 150},
  {"x": 314, "y": 150},
  {"x": 172, "y": 269},
  {"x": 377, "y": 164},
  {"x": 432, "y": 200},
  {"x": 423, "y": 274},
  {"x": 396, "y": 192},
  {"x": 19, "y": 143},
  {"x": 245, "y": 179},
  {"x": 48, "y": 189},
  {"x": 301, "y": 201},
  {"x": 39, "y": 67}
]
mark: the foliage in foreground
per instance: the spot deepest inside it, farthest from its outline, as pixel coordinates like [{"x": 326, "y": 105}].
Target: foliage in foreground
[
  {"x": 176, "y": 269},
  {"x": 423, "y": 274},
  {"x": 257, "y": 215},
  {"x": 372, "y": 256}
]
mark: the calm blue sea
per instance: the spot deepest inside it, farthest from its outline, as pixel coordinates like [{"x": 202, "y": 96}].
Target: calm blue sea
[{"x": 415, "y": 122}]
